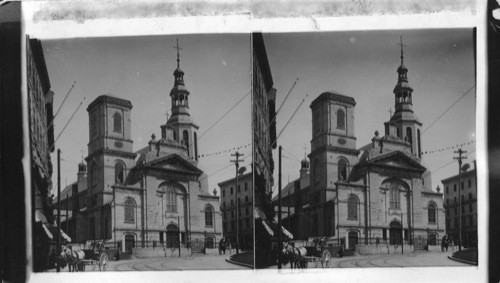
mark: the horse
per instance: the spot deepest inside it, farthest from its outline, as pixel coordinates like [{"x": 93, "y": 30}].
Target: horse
[
  {"x": 295, "y": 255},
  {"x": 73, "y": 258}
]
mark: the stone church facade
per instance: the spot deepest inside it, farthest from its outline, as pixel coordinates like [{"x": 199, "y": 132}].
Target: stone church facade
[
  {"x": 378, "y": 194},
  {"x": 156, "y": 196}
]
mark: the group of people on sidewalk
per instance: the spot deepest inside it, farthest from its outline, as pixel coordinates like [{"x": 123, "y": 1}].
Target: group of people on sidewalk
[
  {"x": 223, "y": 245},
  {"x": 446, "y": 242}
]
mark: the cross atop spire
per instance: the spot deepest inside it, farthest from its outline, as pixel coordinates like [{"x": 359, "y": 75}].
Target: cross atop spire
[
  {"x": 82, "y": 153},
  {"x": 178, "y": 54},
  {"x": 402, "y": 46}
]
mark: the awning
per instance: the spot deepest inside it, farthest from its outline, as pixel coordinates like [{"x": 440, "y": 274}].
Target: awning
[
  {"x": 47, "y": 231},
  {"x": 287, "y": 233},
  {"x": 66, "y": 237},
  {"x": 258, "y": 213},
  {"x": 269, "y": 230},
  {"x": 40, "y": 217}
]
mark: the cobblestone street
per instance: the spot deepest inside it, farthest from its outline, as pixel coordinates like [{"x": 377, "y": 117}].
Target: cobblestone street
[{"x": 193, "y": 262}]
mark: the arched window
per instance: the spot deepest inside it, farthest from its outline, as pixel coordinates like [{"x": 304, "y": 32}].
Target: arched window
[
  {"x": 185, "y": 138},
  {"x": 340, "y": 119},
  {"x": 410, "y": 137},
  {"x": 431, "y": 212},
  {"x": 209, "y": 215},
  {"x": 175, "y": 136},
  {"x": 171, "y": 200},
  {"x": 316, "y": 171},
  {"x": 342, "y": 169},
  {"x": 119, "y": 172},
  {"x": 117, "y": 122},
  {"x": 130, "y": 210},
  {"x": 394, "y": 196},
  {"x": 352, "y": 207},
  {"x": 195, "y": 146},
  {"x": 419, "y": 145}
]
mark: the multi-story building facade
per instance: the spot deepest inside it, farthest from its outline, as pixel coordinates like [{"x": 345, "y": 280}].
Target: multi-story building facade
[
  {"x": 41, "y": 140},
  {"x": 241, "y": 196},
  {"x": 264, "y": 141},
  {"x": 460, "y": 202}
]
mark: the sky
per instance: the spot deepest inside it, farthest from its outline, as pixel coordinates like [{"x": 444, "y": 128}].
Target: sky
[
  {"x": 140, "y": 69},
  {"x": 363, "y": 64}
]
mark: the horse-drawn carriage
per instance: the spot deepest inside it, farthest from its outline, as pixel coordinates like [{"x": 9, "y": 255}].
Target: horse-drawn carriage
[
  {"x": 313, "y": 252},
  {"x": 93, "y": 254}
]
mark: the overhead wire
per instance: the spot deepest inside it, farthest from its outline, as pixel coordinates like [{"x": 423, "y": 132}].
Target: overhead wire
[
  {"x": 440, "y": 116},
  {"x": 222, "y": 117},
  {"x": 290, "y": 119}
]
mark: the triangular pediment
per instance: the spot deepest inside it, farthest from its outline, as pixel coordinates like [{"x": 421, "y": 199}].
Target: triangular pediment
[
  {"x": 174, "y": 162},
  {"x": 397, "y": 159}
]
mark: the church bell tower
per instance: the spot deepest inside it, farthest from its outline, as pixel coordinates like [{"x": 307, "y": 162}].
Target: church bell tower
[
  {"x": 184, "y": 129},
  {"x": 407, "y": 123}
]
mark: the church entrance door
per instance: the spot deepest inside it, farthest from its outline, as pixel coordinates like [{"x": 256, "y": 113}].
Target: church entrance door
[
  {"x": 353, "y": 239},
  {"x": 172, "y": 236},
  {"x": 395, "y": 233},
  {"x": 129, "y": 243}
]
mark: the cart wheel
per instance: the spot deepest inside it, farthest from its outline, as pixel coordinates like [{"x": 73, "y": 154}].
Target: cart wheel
[
  {"x": 325, "y": 259},
  {"x": 103, "y": 262}
]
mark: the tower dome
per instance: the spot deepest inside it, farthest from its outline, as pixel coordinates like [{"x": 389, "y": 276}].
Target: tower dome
[
  {"x": 304, "y": 164},
  {"x": 82, "y": 167}
]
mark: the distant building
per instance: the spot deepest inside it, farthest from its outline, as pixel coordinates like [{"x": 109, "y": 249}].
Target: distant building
[
  {"x": 467, "y": 194},
  {"x": 41, "y": 140},
  {"x": 73, "y": 207},
  {"x": 156, "y": 196},
  {"x": 230, "y": 196},
  {"x": 295, "y": 197},
  {"x": 379, "y": 193}
]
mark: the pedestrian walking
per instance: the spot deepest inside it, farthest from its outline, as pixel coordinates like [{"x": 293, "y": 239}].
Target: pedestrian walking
[
  {"x": 452, "y": 244},
  {"x": 222, "y": 246},
  {"x": 444, "y": 243}
]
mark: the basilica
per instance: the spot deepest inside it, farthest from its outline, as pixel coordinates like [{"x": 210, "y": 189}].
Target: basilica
[
  {"x": 154, "y": 197},
  {"x": 379, "y": 193}
]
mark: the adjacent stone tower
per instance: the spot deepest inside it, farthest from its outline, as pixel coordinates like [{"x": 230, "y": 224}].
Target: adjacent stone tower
[
  {"x": 333, "y": 153},
  {"x": 110, "y": 157}
]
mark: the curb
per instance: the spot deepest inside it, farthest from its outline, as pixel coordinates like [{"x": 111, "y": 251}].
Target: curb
[
  {"x": 240, "y": 264},
  {"x": 462, "y": 260}
]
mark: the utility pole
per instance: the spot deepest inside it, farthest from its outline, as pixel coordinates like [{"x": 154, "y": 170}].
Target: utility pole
[
  {"x": 459, "y": 158},
  {"x": 280, "y": 243},
  {"x": 236, "y": 162},
  {"x": 58, "y": 240},
  {"x": 289, "y": 203}
]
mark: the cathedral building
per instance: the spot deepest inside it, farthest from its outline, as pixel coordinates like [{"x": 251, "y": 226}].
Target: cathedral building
[
  {"x": 380, "y": 193},
  {"x": 156, "y": 196}
]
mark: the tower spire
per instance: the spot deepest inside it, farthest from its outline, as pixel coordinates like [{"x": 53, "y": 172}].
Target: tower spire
[
  {"x": 178, "y": 54},
  {"x": 402, "y": 46},
  {"x": 178, "y": 73}
]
